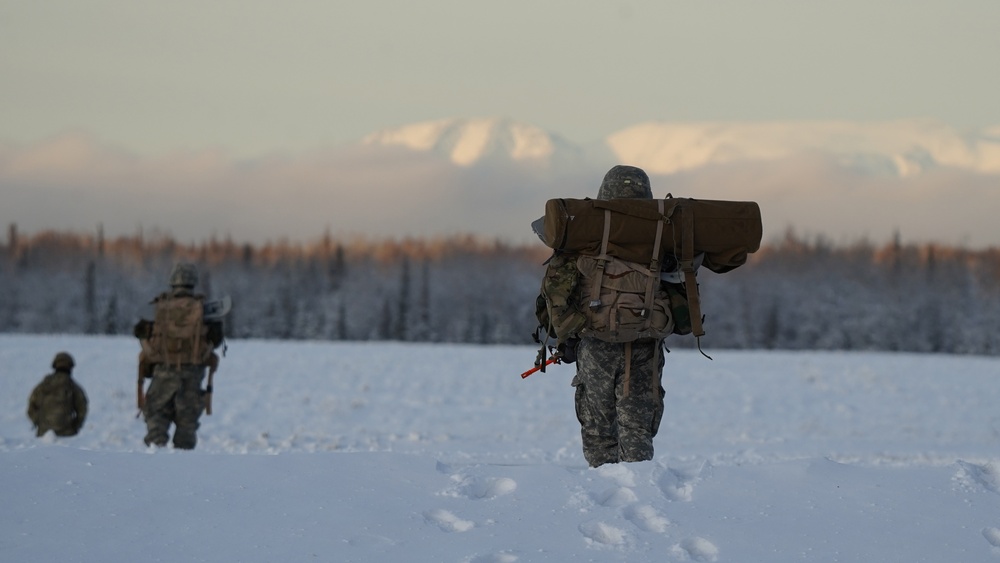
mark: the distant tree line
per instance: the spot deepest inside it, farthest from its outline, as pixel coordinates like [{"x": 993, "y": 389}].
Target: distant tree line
[{"x": 798, "y": 294}]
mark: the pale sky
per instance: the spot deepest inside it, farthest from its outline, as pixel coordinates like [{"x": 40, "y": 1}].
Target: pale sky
[{"x": 253, "y": 78}]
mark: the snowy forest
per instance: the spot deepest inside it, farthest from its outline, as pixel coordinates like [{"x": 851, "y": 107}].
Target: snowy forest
[{"x": 797, "y": 293}]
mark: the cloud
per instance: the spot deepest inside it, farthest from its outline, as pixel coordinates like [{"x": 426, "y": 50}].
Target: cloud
[
  {"x": 73, "y": 182},
  {"x": 816, "y": 195}
]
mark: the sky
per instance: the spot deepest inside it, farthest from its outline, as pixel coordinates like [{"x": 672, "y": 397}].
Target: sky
[
  {"x": 257, "y": 78},
  {"x": 323, "y": 451}
]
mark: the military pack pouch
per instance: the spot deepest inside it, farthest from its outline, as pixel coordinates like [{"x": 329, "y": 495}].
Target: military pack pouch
[
  {"x": 558, "y": 305},
  {"x": 679, "y": 308},
  {"x": 630, "y": 303}
]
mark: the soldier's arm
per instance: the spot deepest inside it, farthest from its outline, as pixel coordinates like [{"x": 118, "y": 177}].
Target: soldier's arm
[
  {"x": 215, "y": 333},
  {"x": 145, "y": 367},
  {"x": 81, "y": 406},
  {"x": 33, "y": 406}
]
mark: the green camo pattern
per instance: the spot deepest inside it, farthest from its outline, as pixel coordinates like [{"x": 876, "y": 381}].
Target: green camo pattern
[
  {"x": 175, "y": 396},
  {"x": 58, "y": 404},
  {"x": 618, "y": 415},
  {"x": 625, "y": 181},
  {"x": 557, "y": 308}
]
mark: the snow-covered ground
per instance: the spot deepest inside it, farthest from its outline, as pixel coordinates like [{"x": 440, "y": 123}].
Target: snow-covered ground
[{"x": 440, "y": 453}]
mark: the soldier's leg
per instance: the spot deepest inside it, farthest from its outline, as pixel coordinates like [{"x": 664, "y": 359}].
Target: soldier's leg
[
  {"x": 159, "y": 411},
  {"x": 640, "y": 402},
  {"x": 595, "y": 401},
  {"x": 189, "y": 404}
]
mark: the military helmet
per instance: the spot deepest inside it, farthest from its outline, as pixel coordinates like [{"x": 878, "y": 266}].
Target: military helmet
[
  {"x": 625, "y": 182},
  {"x": 184, "y": 274},
  {"x": 63, "y": 361}
]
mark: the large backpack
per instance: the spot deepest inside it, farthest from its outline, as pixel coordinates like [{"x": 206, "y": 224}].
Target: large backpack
[
  {"x": 179, "y": 333},
  {"x": 603, "y": 280}
]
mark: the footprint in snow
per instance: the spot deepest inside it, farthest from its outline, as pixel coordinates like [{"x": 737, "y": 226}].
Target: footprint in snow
[
  {"x": 476, "y": 487},
  {"x": 487, "y": 487},
  {"x": 992, "y": 535},
  {"x": 645, "y": 517},
  {"x": 370, "y": 541},
  {"x": 618, "y": 496},
  {"x": 620, "y": 473},
  {"x": 678, "y": 484},
  {"x": 447, "y": 521},
  {"x": 502, "y": 557},
  {"x": 698, "y": 549},
  {"x": 986, "y": 476},
  {"x": 602, "y": 533}
]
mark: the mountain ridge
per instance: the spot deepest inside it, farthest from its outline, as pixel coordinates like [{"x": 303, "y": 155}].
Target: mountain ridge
[{"x": 901, "y": 148}]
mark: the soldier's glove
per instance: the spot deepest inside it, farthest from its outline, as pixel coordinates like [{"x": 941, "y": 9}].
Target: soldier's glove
[
  {"x": 143, "y": 329},
  {"x": 567, "y": 350}
]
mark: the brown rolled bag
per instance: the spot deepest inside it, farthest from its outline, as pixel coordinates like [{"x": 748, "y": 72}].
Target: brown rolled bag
[{"x": 725, "y": 231}]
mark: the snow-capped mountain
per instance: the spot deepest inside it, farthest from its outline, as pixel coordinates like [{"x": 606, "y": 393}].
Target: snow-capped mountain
[
  {"x": 896, "y": 148},
  {"x": 490, "y": 176},
  {"x": 476, "y": 140},
  {"x": 903, "y": 148}
]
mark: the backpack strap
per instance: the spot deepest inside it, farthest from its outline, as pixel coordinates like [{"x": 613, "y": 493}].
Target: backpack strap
[
  {"x": 690, "y": 283},
  {"x": 653, "y": 274},
  {"x": 654, "y": 268},
  {"x": 602, "y": 261},
  {"x": 687, "y": 267},
  {"x": 196, "y": 351}
]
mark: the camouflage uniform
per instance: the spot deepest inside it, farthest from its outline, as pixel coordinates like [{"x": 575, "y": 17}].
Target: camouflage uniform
[
  {"x": 175, "y": 395},
  {"x": 58, "y": 403},
  {"x": 619, "y": 396}
]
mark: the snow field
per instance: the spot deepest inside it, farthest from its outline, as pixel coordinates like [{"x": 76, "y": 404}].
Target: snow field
[{"x": 409, "y": 452}]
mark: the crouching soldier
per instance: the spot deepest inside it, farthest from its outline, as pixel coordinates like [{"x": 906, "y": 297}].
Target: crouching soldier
[{"x": 58, "y": 403}]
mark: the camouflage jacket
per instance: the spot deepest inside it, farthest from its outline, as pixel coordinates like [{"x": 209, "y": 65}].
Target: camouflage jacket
[{"x": 58, "y": 403}]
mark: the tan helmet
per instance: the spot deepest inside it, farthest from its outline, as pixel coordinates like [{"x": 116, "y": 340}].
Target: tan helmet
[
  {"x": 184, "y": 274},
  {"x": 625, "y": 182},
  {"x": 63, "y": 361}
]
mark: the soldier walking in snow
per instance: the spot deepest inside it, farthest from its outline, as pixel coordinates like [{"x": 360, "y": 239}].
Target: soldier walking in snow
[
  {"x": 177, "y": 349},
  {"x": 620, "y": 280},
  {"x": 58, "y": 403},
  {"x": 619, "y": 397}
]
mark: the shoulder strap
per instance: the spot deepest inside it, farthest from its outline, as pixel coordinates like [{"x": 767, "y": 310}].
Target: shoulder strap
[
  {"x": 602, "y": 261},
  {"x": 654, "y": 267},
  {"x": 687, "y": 267},
  {"x": 652, "y": 274}
]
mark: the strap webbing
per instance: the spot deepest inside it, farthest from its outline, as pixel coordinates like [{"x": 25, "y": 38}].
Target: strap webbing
[
  {"x": 654, "y": 269},
  {"x": 602, "y": 260},
  {"x": 687, "y": 266}
]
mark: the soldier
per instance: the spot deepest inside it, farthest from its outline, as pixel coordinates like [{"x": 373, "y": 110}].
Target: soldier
[
  {"x": 178, "y": 351},
  {"x": 619, "y": 397},
  {"x": 58, "y": 403}
]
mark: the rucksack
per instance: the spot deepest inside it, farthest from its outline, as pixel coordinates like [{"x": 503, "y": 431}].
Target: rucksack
[
  {"x": 603, "y": 279},
  {"x": 605, "y": 297},
  {"x": 179, "y": 333}
]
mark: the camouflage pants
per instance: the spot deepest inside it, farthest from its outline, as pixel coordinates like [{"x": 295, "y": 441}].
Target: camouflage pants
[
  {"x": 174, "y": 396},
  {"x": 619, "y": 399}
]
